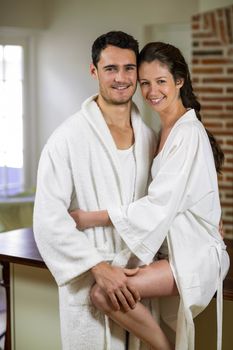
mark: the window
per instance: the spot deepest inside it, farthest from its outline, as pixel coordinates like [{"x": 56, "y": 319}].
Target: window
[
  {"x": 11, "y": 119},
  {"x": 18, "y": 109}
]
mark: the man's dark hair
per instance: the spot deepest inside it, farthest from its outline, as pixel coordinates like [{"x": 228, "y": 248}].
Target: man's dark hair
[{"x": 114, "y": 38}]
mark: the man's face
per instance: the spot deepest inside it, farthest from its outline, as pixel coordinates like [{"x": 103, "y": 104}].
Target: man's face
[{"x": 117, "y": 75}]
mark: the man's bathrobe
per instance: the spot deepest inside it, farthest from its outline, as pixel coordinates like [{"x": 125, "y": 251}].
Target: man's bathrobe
[
  {"x": 182, "y": 206},
  {"x": 79, "y": 168}
]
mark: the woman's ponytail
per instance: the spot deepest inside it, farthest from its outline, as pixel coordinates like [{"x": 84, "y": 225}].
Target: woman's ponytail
[{"x": 190, "y": 101}]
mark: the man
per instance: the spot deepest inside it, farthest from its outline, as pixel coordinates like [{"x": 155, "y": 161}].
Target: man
[{"x": 98, "y": 156}]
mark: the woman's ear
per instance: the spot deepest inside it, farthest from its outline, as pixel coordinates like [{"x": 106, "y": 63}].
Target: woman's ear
[{"x": 179, "y": 82}]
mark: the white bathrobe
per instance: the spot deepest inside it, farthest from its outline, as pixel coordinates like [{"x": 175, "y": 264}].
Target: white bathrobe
[
  {"x": 79, "y": 168},
  {"x": 183, "y": 206}
]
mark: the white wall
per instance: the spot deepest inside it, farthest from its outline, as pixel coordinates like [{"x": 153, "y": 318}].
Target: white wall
[
  {"x": 66, "y": 32},
  {"x": 23, "y": 13},
  {"x": 64, "y": 48},
  {"x": 206, "y": 5}
]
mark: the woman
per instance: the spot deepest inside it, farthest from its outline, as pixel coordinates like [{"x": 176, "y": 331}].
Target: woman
[{"x": 182, "y": 207}]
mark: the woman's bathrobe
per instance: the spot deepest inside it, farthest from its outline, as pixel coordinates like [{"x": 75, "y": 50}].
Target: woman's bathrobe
[
  {"x": 182, "y": 206},
  {"x": 79, "y": 168}
]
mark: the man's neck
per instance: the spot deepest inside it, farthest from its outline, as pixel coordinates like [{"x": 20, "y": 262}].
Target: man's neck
[
  {"x": 117, "y": 118},
  {"x": 115, "y": 115}
]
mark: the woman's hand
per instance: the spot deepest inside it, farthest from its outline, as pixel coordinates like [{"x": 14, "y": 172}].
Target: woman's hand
[
  {"x": 87, "y": 219},
  {"x": 221, "y": 229}
]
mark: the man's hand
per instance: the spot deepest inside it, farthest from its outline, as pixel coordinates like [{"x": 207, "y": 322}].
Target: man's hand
[{"x": 113, "y": 280}]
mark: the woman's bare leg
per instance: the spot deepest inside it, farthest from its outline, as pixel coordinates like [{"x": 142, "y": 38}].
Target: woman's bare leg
[{"x": 154, "y": 280}]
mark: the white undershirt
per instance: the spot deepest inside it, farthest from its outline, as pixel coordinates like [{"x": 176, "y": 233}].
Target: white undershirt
[
  {"x": 128, "y": 172},
  {"x": 128, "y": 175}
]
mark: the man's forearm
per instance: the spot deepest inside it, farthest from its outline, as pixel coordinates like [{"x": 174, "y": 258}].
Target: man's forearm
[
  {"x": 88, "y": 219},
  {"x": 99, "y": 218}
]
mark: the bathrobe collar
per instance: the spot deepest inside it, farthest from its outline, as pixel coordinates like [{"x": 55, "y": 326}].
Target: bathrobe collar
[{"x": 95, "y": 118}]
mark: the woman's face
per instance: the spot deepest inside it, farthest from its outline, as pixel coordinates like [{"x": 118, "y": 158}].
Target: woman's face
[{"x": 158, "y": 87}]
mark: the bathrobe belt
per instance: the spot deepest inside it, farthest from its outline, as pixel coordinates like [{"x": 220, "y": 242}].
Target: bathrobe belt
[
  {"x": 117, "y": 259},
  {"x": 220, "y": 247}
]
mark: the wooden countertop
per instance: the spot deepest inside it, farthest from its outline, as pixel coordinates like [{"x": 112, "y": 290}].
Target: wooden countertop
[{"x": 19, "y": 247}]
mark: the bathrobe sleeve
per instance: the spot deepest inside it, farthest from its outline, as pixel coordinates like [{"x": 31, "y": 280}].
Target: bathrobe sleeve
[
  {"x": 66, "y": 251},
  {"x": 144, "y": 224}
]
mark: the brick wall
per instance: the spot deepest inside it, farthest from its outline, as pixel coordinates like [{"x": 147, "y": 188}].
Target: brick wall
[{"x": 212, "y": 74}]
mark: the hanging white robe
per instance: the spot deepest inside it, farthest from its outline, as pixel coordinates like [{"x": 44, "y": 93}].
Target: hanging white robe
[
  {"x": 182, "y": 206},
  {"x": 79, "y": 168}
]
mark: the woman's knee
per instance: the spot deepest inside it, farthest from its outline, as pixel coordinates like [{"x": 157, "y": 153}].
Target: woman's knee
[{"x": 99, "y": 299}]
